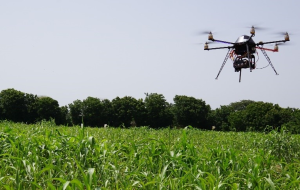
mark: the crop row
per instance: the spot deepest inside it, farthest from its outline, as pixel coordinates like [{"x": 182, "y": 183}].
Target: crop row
[{"x": 43, "y": 156}]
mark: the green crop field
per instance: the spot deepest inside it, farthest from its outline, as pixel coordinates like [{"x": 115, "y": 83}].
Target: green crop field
[{"x": 45, "y": 156}]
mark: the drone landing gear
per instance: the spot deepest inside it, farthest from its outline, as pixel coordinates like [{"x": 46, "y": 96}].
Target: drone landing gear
[
  {"x": 269, "y": 60},
  {"x": 248, "y": 58},
  {"x": 240, "y": 75},
  {"x": 224, "y": 62}
]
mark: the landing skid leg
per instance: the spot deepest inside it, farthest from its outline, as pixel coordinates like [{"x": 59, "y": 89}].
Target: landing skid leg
[
  {"x": 227, "y": 55},
  {"x": 269, "y": 60},
  {"x": 249, "y": 57},
  {"x": 240, "y": 75}
]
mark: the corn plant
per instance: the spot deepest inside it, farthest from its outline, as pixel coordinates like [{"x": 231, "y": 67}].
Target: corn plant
[{"x": 44, "y": 156}]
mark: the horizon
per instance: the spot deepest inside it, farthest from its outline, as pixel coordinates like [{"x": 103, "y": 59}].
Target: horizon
[{"x": 70, "y": 50}]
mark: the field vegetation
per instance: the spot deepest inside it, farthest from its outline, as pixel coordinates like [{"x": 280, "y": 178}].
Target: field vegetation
[
  {"x": 46, "y": 156},
  {"x": 153, "y": 111}
]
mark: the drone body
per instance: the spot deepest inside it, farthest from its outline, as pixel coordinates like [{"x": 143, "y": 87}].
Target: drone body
[{"x": 242, "y": 51}]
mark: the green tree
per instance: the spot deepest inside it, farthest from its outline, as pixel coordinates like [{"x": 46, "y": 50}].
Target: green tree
[
  {"x": 92, "y": 110},
  {"x": 158, "y": 111},
  {"x": 47, "y": 108},
  {"x": 293, "y": 125},
  {"x": 240, "y": 105},
  {"x": 1, "y": 112},
  {"x": 31, "y": 114},
  {"x": 258, "y": 115},
  {"x": 64, "y": 117},
  {"x": 107, "y": 112},
  {"x": 13, "y": 107},
  {"x": 278, "y": 116},
  {"x": 238, "y": 121},
  {"x": 191, "y": 111},
  {"x": 128, "y": 111},
  {"x": 76, "y": 111},
  {"x": 220, "y": 117}
]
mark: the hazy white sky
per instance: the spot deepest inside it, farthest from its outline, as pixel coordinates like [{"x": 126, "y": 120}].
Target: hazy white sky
[{"x": 72, "y": 49}]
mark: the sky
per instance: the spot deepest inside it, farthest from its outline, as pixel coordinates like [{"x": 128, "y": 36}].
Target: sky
[{"x": 72, "y": 49}]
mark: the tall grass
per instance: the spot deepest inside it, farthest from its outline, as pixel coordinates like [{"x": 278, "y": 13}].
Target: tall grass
[{"x": 44, "y": 156}]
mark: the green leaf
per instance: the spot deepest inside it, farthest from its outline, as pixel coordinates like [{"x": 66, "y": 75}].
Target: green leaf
[
  {"x": 135, "y": 182},
  {"x": 91, "y": 141},
  {"x": 45, "y": 169},
  {"x": 270, "y": 182},
  {"x": 37, "y": 185},
  {"x": 150, "y": 183},
  {"x": 77, "y": 182},
  {"x": 163, "y": 172},
  {"x": 90, "y": 175},
  {"x": 66, "y": 184},
  {"x": 51, "y": 186}
]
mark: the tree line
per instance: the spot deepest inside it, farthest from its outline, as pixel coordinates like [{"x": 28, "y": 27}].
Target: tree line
[{"x": 153, "y": 111}]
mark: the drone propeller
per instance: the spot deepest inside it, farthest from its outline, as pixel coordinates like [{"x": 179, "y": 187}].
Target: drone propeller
[
  {"x": 209, "y": 33},
  {"x": 253, "y": 28},
  {"x": 277, "y": 44},
  {"x": 257, "y": 27},
  {"x": 206, "y": 43},
  {"x": 282, "y": 44},
  {"x": 284, "y": 33},
  {"x": 205, "y": 32}
]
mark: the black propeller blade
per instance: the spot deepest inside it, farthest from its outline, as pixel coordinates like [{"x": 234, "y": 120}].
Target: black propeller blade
[
  {"x": 283, "y": 33},
  {"x": 205, "y": 32},
  {"x": 207, "y": 43},
  {"x": 279, "y": 44},
  {"x": 257, "y": 27},
  {"x": 282, "y": 44}
]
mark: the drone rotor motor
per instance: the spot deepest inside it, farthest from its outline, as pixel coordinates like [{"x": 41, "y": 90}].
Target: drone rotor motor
[
  {"x": 252, "y": 30},
  {"x": 286, "y": 37},
  {"x": 206, "y": 46},
  {"x": 210, "y": 36},
  {"x": 276, "y": 48}
]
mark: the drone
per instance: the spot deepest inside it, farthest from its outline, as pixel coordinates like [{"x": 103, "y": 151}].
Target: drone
[{"x": 242, "y": 52}]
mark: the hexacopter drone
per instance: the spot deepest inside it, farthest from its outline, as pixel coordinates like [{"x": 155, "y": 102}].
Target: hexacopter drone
[{"x": 242, "y": 51}]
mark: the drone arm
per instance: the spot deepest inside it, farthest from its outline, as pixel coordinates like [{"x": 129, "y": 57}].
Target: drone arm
[
  {"x": 267, "y": 49},
  {"x": 229, "y": 47},
  {"x": 272, "y": 42},
  {"x": 214, "y": 40}
]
